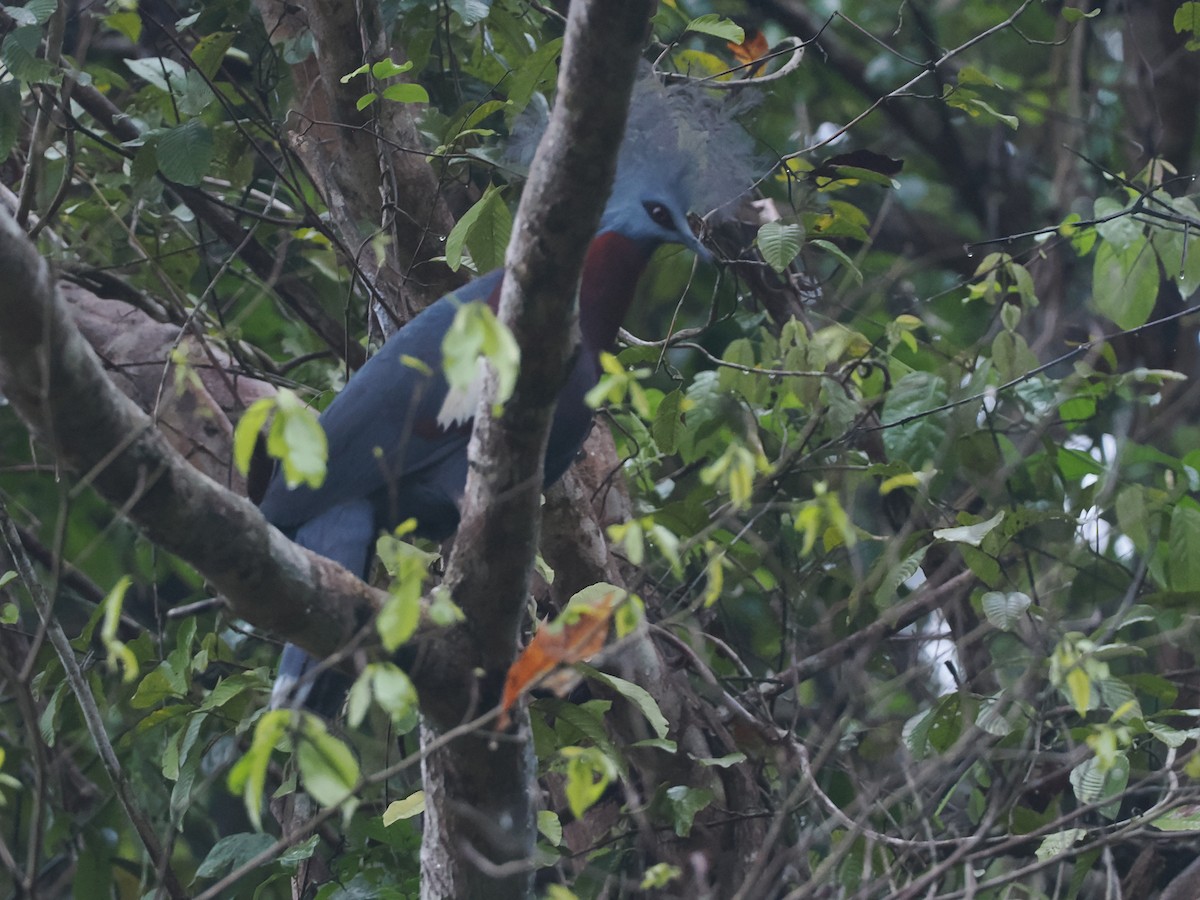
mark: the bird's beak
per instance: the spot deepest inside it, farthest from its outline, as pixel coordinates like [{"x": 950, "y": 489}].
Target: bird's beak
[{"x": 693, "y": 243}]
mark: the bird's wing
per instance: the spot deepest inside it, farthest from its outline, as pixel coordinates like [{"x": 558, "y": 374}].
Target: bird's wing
[{"x": 383, "y": 427}]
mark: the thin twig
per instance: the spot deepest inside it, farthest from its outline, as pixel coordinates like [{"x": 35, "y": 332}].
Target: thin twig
[{"x": 92, "y": 717}]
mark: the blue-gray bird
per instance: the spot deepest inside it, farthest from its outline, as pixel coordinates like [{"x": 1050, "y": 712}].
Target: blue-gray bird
[{"x": 398, "y": 436}]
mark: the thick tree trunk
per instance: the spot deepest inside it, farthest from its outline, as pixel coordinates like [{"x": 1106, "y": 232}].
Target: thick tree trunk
[
  {"x": 479, "y": 839},
  {"x": 479, "y": 815}
]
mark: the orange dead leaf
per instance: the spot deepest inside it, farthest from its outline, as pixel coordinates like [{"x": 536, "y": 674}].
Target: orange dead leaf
[
  {"x": 754, "y": 47},
  {"x": 579, "y": 633}
]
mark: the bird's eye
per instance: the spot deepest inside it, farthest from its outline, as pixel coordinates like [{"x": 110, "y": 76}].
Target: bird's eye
[{"x": 659, "y": 215}]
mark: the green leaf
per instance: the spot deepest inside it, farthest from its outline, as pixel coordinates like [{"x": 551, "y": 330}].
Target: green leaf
[
  {"x": 475, "y": 338},
  {"x": 210, "y": 50},
  {"x": 10, "y": 116},
  {"x": 1004, "y": 610},
  {"x": 589, "y": 773},
  {"x": 393, "y": 690},
  {"x": 1072, "y": 15},
  {"x": 1184, "y": 818},
  {"x": 668, "y": 420},
  {"x": 946, "y": 723},
  {"x": 1183, "y": 547},
  {"x": 1060, "y": 842},
  {"x": 837, "y": 253},
  {"x": 586, "y": 721},
  {"x": 724, "y": 762},
  {"x": 1079, "y": 687},
  {"x": 298, "y": 441},
  {"x": 635, "y": 694},
  {"x": 970, "y": 534},
  {"x": 1120, "y": 228},
  {"x": 997, "y": 716},
  {"x": 406, "y": 93},
  {"x": 408, "y": 567},
  {"x": 972, "y": 104},
  {"x": 398, "y": 619},
  {"x": 119, "y": 654},
  {"x": 1125, "y": 283},
  {"x": 471, "y": 12},
  {"x": 1187, "y": 21},
  {"x": 912, "y": 433},
  {"x": 412, "y": 805},
  {"x": 127, "y": 23},
  {"x": 327, "y": 766},
  {"x": 386, "y": 68},
  {"x": 1118, "y": 696},
  {"x": 1179, "y": 249},
  {"x": 246, "y": 434},
  {"x": 718, "y": 26},
  {"x": 18, "y": 52},
  {"x": 779, "y": 244},
  {"x": 550, "y": 827},
  {"x": 1092, "y": 783},
  {"x": 299, "y": 852},
  {"x": 970, "y": 75},
  {"x": 248, "y": 776},
  {"x": 1012, "y": 356},
  {"x": 685, "y": 803},
  {"x": 485, "y": 228},
  {"x": 1172, "y": 737},
  {"x": 160, "y": 684},
  {"x": 897, "y": 575},
  {"x": 48, "y": 720},
  {"x": 186, "y": 765},
  {"x": 389, "y": 686},
  {"x": 537, "y": 72},
  {"x": 1075, "y": 464},
  {"x": 1134, "y": 516},
  {"x": 41, "y": 10},
  {"x": 443, "y": 610},
  {"x": 1011, "y": 121},
  {"x": 164, "y": 73},
  {"x": 185, "y": 152},
  {"x": 230, "y": 688},
  {"x": 232, "y": 851}
]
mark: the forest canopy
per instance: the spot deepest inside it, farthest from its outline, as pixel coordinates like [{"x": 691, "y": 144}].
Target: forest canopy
[{"x": 877, "y": 576}]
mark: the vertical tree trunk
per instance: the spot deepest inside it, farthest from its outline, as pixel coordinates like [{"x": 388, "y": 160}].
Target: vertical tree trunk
[
  {"x": 480, "y": 818},
  {"x": 479, "y": 815}
]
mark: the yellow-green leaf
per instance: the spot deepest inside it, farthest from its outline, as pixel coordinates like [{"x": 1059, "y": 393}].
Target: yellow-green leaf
[{"x": 412, "y": 805}]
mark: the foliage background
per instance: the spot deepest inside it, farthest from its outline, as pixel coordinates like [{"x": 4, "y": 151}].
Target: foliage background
[{"x": 906, "y": 484}]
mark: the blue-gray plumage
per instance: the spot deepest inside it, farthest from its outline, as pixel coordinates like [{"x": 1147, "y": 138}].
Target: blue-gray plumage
[{"x": 396, "y": 451}]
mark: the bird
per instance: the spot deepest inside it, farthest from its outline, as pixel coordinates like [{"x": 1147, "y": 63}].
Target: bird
[{"x": 397, "y": 436}]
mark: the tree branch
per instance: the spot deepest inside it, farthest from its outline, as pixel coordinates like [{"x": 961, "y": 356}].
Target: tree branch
[{"x": 54, "y": 381}]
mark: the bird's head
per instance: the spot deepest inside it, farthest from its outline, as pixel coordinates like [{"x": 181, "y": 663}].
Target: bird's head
[
  {"x": 650, "y": 214},
  {"x": 683, "y": 152}
]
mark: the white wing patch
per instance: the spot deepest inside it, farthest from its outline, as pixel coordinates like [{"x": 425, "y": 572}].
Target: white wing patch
[{"x": 460, "y": 403}]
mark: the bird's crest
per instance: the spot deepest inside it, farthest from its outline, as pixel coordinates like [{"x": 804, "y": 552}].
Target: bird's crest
[
  {"x": 678, "y": 137},
  {"x": 683, "y": 136}
]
